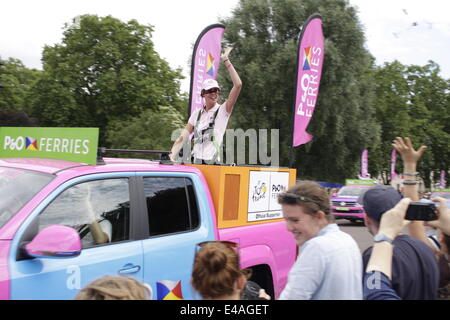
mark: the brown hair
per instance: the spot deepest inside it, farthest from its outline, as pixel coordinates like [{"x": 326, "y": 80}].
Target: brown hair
[
  {"x": 445, "y": 239},
  {"x": 114, "y": 288},
  {"x": 216, "y": 270},
  {"x": 312, "y": 191}
]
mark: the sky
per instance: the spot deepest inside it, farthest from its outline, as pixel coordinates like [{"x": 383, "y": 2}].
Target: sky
[{"x": 410, "y": 31}]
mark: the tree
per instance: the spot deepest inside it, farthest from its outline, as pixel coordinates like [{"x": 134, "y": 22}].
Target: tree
[
  {"x": 152, "y": 130},
  {"x": 264, "y": 35},
  {"x": 392, "y": 106},
  {"x": 104, "y": 70},
  {"x": 15, "y": 83},
  {"x": 414, "y": 101},
  {"x": 13, "y": 118}
]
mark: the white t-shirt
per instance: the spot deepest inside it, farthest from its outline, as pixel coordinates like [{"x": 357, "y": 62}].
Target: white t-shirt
[
  {"x": 207, "y": 149},
  {"x": 329, "y": 267}
]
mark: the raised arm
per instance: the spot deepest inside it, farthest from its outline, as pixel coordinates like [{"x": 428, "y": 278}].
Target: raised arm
[
  {"x": 410, "y": 159},
  {"x": 237, "y": 83}
]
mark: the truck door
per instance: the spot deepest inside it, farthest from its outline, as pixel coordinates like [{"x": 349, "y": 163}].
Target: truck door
[
  {"x": 178, "y": 218},
  {"x": 106, "y": 202}
]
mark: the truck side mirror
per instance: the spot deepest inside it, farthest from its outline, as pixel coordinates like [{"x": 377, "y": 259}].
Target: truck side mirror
[{"x": 55, "y": 242}]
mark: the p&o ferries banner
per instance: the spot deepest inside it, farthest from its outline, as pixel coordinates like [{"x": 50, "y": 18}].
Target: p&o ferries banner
[
  {"x": 309, "y": 69},
  {"x": 72, "y": 144},
  {"x": 205, "y": 62}
]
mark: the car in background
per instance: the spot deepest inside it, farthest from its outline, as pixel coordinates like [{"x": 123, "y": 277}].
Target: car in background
[
  {"x": 445, "y": 193},
  {"x": 344, "y": 205}
]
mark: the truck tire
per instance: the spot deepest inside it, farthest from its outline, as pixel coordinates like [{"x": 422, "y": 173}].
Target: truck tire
[{"x": 262, "y": 275}]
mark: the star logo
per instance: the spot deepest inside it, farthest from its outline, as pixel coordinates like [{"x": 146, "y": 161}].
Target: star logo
[
  {"x": 31, "y": 144},
  {"x": 307, "y": 59},
  {"x": 210, "y": 65}
]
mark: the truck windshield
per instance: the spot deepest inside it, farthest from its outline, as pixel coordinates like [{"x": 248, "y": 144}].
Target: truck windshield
[
  {"x": 17, "y": 187},
  {"x": 352, "y": 191}
]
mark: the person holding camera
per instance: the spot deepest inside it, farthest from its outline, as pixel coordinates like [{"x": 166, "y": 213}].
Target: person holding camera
[
  {"x": 440, "y": 245},
  {"x": 415, "y": 273},
  {"x": 378, "y": 278},
  {"x": 210, "y": 122}
]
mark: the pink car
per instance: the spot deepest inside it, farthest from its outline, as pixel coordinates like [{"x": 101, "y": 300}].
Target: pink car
[{"x": 345, "y": 204}]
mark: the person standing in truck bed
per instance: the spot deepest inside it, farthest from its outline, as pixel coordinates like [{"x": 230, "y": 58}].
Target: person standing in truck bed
[{"x": 210, "y": 122}]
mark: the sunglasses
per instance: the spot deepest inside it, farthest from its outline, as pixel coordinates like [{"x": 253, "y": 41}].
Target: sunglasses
[
  {"x": 292, "y": 198},
  {"x": 229, "y": 244},
  {"x": 213, "y": 90}
]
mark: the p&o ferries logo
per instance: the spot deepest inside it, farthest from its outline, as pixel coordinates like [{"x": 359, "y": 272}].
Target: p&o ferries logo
[
  {"x": 46, "y": 144},
  {"x": 72, "y": 144},
  {"x": 20, "y": 143}
]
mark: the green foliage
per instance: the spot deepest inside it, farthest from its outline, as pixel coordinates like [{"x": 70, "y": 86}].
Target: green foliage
[
  {"x": 16, "y": 81},
  {"x": 264, "y": 35},
  {"x": 413, "y": 101},
  {"x": 104, "y": 70},
  {"x": 151, "y": 130}
]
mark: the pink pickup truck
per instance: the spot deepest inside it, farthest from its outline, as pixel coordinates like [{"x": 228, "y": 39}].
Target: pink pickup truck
[{"x": 150, "y": 216}]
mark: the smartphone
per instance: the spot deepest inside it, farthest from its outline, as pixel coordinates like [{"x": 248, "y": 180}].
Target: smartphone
[{"x": 422, "y": 211}]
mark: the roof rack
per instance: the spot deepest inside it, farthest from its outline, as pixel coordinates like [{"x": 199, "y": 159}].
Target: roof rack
[{"x": 164, "y": 159}]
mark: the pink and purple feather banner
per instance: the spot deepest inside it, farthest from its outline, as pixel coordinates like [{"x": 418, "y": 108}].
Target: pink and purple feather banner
[
  {"x": 393, "y": 160},
  {"x": 442, "y": 180},
  {"x": 309, "y": 69},
  {"x": 205, "y": 62},
  {"x": 364, "y": 164}
]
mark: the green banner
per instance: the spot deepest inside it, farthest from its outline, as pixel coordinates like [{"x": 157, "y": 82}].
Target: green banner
[
  {"x": 358, "y": 182},
  {"x": 441, "y": 190},
  {"x": 73, "y": 144}
]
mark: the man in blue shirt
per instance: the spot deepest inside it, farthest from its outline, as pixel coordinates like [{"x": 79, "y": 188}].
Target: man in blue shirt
[{"x": 415, "y": 273}]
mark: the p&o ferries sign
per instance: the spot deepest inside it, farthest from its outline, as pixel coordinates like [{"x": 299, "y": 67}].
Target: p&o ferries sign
[{"x": 73, "y": 144}]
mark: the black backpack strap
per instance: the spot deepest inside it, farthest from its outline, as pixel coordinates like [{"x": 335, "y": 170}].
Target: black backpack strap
[
  {"x": 197, "y": 123},
  {"x": 211, "y": 125},
  {"x": 198, "y": 134},
  {"x": 198, "y": 117}
]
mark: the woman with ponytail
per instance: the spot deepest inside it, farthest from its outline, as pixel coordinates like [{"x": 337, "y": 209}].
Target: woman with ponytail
[{"x": 217, "y": 275}]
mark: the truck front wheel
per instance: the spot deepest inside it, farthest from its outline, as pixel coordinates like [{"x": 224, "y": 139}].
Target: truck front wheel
[{"x": 262, "y": 275}]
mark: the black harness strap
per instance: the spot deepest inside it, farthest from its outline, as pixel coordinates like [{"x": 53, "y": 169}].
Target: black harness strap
[
  {"x": 210, "y": 129},
  {"x": 210, "y": 126}
]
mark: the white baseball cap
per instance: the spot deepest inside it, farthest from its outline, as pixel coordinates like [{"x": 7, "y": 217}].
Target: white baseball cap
[{"x": 209, "y": 84}]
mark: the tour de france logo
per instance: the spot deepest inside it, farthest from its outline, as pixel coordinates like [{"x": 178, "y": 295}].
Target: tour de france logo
[{"x": 259, "y": 191}]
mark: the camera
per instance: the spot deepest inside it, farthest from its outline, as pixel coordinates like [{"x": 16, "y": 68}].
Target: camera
[
  {"x": 251, "y": 291},
  {"x": 421, "y": 211}
]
